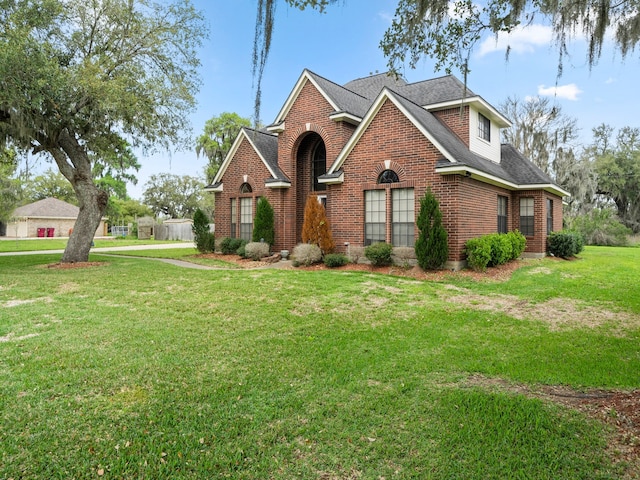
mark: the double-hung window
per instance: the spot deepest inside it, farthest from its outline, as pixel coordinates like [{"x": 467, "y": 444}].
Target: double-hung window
[
  {"x": 246, "y": 218},
  {"x": 234, "y": 218},
  {"x": 375, "y": 216},
  {"x": 526, "y": 216},
  {"x": 484, "y": 127},
  {"x": 402, "y": 227},
  {"x": 549, "y": 215},
  {"x": 502, "y": 214}
]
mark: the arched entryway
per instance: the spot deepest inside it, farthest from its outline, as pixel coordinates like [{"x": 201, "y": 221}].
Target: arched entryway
[{"x": 311, "y": 162}]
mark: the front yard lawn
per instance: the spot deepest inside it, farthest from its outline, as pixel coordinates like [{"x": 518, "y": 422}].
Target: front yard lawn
[{"x": 139, "y": 369}]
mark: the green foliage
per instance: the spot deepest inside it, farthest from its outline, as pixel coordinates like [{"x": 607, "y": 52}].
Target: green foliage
[
  {"x": 9, "y": 187},
  {"x": 617, "y": 165},
  {"x": 256, "y": 250},
  {"x": 241, "y": 248},
  {"x": 431, "y": 246},
  {"x": 263, "y": 223},
  {"x": 306, "y": 254},
  {"x": 125, "y": 211},
  {"x": 333, "y": 260},
  {"x": 518, "y": 243},
  {"x": 600, "y": 227},
  {"x": 494, "y": 249},
  {"x": 51, "y": 184},
  {"x": 217, "y": 138},
  {"x": 379, "y": 254},
  {"x": 448, "y": 32},
  {"x": 565, "y": 244},
  {"x": 173, "y": 195},
  {"x": 230, "y": 246},
  {"x": 478, "y": 252},
  {"x": 203, "y": 238}
]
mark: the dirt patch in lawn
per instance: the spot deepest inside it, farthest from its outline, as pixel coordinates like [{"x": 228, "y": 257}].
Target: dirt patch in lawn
[
  {"x": 72, "y": 265},
  {"x": 617, "y": 408},
  {"x": 558, "y": 313}
]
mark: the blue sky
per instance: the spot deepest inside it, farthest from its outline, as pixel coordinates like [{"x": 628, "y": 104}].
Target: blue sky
[{"x": 342, "y": 45}]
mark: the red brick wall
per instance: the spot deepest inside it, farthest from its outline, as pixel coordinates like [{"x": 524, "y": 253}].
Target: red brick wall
[{"x": 457, "y": 120}]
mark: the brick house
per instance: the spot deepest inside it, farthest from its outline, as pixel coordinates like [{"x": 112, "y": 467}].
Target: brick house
[{"x": 368, "y": 150}]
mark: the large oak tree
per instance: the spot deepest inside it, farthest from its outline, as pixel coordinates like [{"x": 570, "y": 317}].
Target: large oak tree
[{"x": 80, "y": 79}]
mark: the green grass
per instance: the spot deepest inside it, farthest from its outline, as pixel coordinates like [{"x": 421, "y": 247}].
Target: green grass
[
  {"x": 138, "y": 369},
  {"x": 29, "y": 245}
]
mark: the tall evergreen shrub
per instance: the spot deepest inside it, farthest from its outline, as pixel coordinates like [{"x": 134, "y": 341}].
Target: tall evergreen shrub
[
  {"x": 316, "y": 228},
  {"x": 431, "y": 246},
  {"x": 202, "y": 236},
  {"x": 263, "y": 223}
]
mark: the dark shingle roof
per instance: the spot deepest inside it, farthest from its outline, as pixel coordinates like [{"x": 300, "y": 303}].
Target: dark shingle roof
[
  {"x": 370, "y": 87},
  {"x": 267, "y": 146},
  {"x": 436, "y": 90},
  {"x": 513, "y": 167},
  {"x": 344, "y": 99},
  {"x": 48, "y": 207}
]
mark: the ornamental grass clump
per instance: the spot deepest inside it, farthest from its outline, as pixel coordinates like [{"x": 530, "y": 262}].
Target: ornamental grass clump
[
  {"x": 256, "y": 250},
  {"x": 306, "y": 254}
]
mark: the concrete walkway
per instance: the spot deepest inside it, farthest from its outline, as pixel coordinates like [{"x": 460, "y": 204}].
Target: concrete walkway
[{"x": 159, "y": 246}]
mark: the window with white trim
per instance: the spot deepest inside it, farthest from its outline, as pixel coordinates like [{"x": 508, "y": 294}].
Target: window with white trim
[
  {"x": 484, "y": 127},
  {"x": 549, "y": 215}
]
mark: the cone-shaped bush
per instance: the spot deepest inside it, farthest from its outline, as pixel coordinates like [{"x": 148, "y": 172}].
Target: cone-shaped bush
[
  {"x": 431, "y": 246},
  {"x": 316, "y": 228},
  {"x": 263, "y": 223},
  {"x": 202, "y": 237}
]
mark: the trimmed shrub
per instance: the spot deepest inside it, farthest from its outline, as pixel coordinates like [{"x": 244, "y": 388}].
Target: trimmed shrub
[
  {"x": 379, "y": 254},
  {"x": 565, "y": 244},
  {"x": 518, "y": 243},
  {"x": 431, "y": 246},
  {"x": 333, "y": 260},
  {"x": 229, "y": 246},
  {"x": 241, "y": 248},
  {"x": 501, "y": 249},
  {"x": 256, "y": 250},
  {"x": 306, "y": 254},
  {"x": 315, "y": 227},
  {"x": 204, "y": 240},
  {"x": 478, "y": 252},
  {"x": 263, "y": 223}
]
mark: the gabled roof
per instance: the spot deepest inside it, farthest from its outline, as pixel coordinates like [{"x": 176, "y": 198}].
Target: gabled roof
[
  {"x": 266, "y": 147},
  {"x": 47, "y": 208},
  {"x": 514, "y": 171},
  {"x": 370, "y": 87}
]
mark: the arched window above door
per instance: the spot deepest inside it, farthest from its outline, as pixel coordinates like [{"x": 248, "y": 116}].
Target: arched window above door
[
  {"x": 388, "y": 176},
  {"x": 245, "y": 188}
]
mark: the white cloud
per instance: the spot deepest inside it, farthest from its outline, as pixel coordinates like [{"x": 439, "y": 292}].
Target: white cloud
[
  {"x": 520, "y": 40},
  {"x": 568, "y": 92},
  {"x": 610, "y": 80}
]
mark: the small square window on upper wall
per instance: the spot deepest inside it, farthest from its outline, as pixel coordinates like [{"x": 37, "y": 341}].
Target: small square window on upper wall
[{"x": 484, "y": 127}]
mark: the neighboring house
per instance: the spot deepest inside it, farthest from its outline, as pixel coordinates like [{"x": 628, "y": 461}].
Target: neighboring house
[
  {"x": 369, "y": 150},
  {"x": 46, "y": 218}
]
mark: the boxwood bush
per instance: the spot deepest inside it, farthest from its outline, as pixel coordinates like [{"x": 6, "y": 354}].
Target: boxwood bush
[
  {"x": 565, "y": 244},
  {"x": 379, "y": 254},
  {"x": 333, "y": 260},
  {"x": 494, "y": 249},
  {"x": 229, "y": 246}
]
